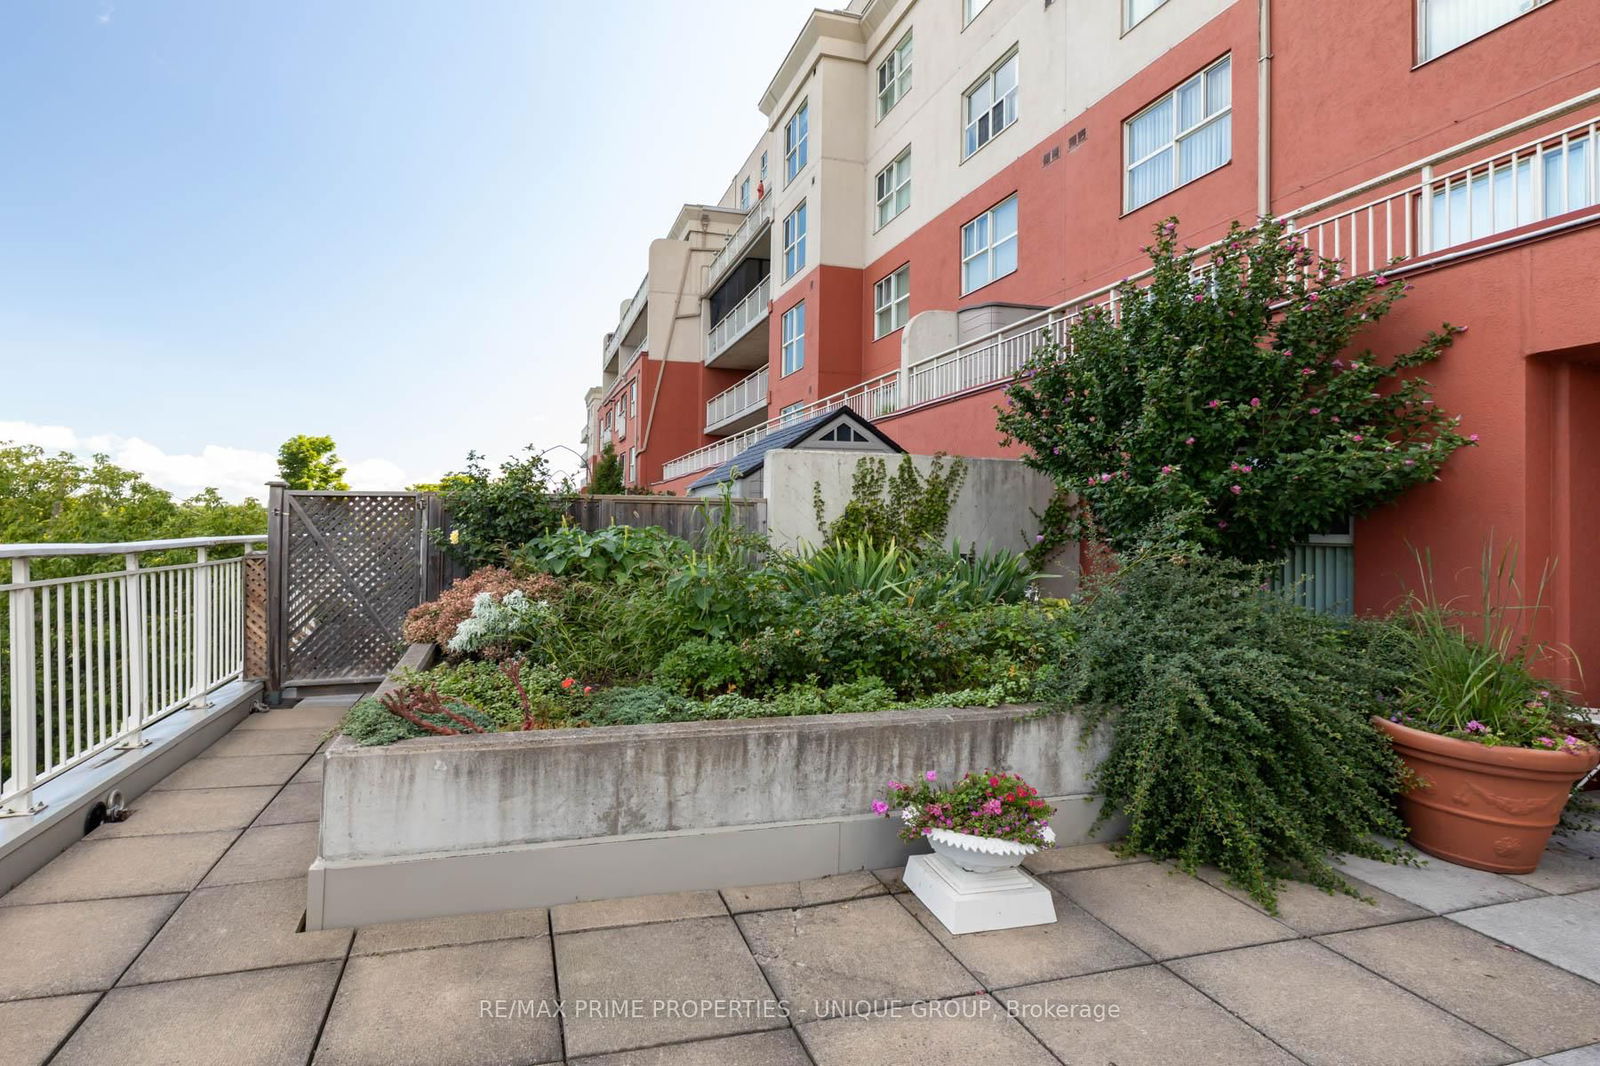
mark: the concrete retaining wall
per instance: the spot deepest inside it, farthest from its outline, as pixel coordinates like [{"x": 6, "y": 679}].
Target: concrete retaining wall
[{"x": 453, "y": 825}]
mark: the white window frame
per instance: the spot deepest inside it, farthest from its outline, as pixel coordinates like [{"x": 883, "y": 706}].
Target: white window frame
[
  {"x": 891, "y": 302},
  {"x": 1006, "y": 105},
  {"x": 1425, "y": 55},
  {"x": 791, "y": 412},
  {"x": 633, "y": 466},
  {"x": 797, "y": 142},
  {"x": 971, "y": 9},
  {"x": 1129, "y": 20},
  {"x": 794, "y": 241},
  {"x": 744, "y": 195},
  {"x": 763, "y": 166},
  {"x": 1178, "y": 136},
  {"x": 792, "y": 352},
  {"x": 633, "y": 400},
  {"x": 894, "y": 76},
  {"x": 887, "y": 185},
  {"x": 988, "y": 250}
]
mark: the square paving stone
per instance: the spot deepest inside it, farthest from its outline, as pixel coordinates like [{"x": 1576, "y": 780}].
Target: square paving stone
[
  {"x": 1076, "y": 857},
  {"x": 267, "y": 742},
  {"x": 1330, "y": 1012},
  {"x": 306, "y": 714},
  {"x": 232, "y": 773},
  {"x": 34, "y": 1027},
  {"x": 455, "y": 929},
  {"x": 261, "y": 1018},
  {"x": 635, "y": 910},
  {"x": 267, "y": 853},
  {"x": 296, "y": 803},
  {"x": 1582, "y": 1056},
  {"x": 52, "y": 949},
  {"x": 670, "y": 969},
  {"x": 1525, "y": 1002},
  {"x": 778, "y": 1047},
  {"x": 893, "y": 878},
  {"x": 1073, "y": 944},
  {"x": 130, "y": 866},
  {"x": 236, "y": 927},
  {"x": 489, "y": 1004},
  {"x": 971, "y": 1029},
  {"x": 1308, "y": 910},
  {"x": 1564, "y": 930},
  {"x": 1562, "y": 871},
  {"x": 1137, "y": 1017},
  {"x": 1439, "y": 886},
  {"x": 1166, "y": 912},
  {"x": 312, "y": 770},
  {"x": 846, "y": 958},
  {"x": 189, "y": 810},
  {"x": 835, "y": 889}
]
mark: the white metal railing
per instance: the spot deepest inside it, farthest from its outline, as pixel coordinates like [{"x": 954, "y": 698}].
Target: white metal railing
[
  {"x": 739, "y": 240},
  {"x": 733, "y": 325},
  {"x": 742, "y": 397},
  {"x": 95, "y": 658},
  {"x": 625, "y": 323}
]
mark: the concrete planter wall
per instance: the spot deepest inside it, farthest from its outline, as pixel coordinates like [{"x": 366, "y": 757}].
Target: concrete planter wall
[{"x": 453, "y": 825}]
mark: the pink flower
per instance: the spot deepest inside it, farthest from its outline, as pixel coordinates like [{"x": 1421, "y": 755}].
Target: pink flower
[
  {"x": 1333, "y": 418},
  {"x": 1380, "y": 281},
  {"x": 1358, "y": 438},
  {"x": 1316, "y": 410},
  {"x": 1255, "y": 401},
  {"x": 1214, "y": 403},
  {"x": 1167, "y": 469},
  {"x": 1235, "y": 489},
  {"x": 930, "y": 775},
  {"x": 1473, "y": 437},
  {"x": 1222, "y": 525},
  {"x": 1307, "y": 371},
  {"x": 879, "y": 807},
  {"x": 992, "y": 807},
  {"x": 895, "y": 786},
  {"x": 1198, "y": 297},
  {"x": 1189, "y": 440}
]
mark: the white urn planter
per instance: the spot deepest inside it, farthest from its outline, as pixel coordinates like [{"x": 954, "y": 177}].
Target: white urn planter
[{"x": 972, "y": 884}]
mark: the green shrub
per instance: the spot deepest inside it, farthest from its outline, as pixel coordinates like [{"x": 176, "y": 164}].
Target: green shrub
[
  {"x": 615, "y": 553},
  {"x": 610, "y": 634},
  {"x": 880, "y": 572},
  {"x": 973, "y": 580},
  {"x": 1240, "y": 732},
  {"x": 492, "y": 513},
  {"x": 640, "y": 705},
  {"x": 367, "y": 722},
  {"x": 708, "y": 667}
]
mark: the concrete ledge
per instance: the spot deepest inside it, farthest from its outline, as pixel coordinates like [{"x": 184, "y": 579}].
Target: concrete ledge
[
  {"x": 26, "y": 844},
  {"x": 451, "y": 825}
]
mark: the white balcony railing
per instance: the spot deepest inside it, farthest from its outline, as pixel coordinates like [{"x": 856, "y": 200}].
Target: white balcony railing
[
  {"x": 96, "y": 658},
  {"x": 739, "y": 240},
  {"x": 625, "y": 323},
  {"x": 745, "y": 314},
  {"x": 745, "y": 395},
  {"x": 1409, "y": 218}
]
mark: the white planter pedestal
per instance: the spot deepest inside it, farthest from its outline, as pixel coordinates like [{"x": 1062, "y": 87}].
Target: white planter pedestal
[{"x": 969, "y": 902}]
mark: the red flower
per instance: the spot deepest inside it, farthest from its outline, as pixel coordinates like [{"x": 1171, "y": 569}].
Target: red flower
[{"x": 569, "y": 682}]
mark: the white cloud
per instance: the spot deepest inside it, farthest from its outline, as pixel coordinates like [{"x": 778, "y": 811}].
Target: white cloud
[{"x": 235, "y": 472}]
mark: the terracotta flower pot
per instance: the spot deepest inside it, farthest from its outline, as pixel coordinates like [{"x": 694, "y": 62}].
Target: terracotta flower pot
[{"x": 1488, "y": 808}]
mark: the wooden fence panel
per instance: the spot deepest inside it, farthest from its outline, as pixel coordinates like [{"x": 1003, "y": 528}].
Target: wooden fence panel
[{"x": 679, "y": 515}]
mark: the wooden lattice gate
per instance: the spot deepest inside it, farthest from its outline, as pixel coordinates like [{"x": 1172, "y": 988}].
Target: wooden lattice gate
[{"x": 343, "y": 570}]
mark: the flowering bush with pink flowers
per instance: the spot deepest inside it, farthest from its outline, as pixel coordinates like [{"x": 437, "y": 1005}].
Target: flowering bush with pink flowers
[
  {"x": 1232, "y": 393},
  {"x": 990, "y": 804}
]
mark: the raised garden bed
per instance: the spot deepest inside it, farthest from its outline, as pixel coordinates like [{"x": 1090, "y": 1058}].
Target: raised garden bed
[{"x": 464, "y": 824}]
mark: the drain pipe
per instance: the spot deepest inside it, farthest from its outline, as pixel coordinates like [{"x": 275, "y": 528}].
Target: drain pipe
[{"x": 1264, "y": 109}]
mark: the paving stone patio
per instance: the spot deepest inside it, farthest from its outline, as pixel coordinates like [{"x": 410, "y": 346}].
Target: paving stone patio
[{"x": 174, "y": 938}]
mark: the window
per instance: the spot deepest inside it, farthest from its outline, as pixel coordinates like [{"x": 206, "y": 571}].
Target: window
[
  {"x": 845, "y": 433},
  {"x": 991, "y": 105},
  {"x": 633, "y": 400},
  {"x": 619, "y": 415},
  {"x": 794, "y": 338},
  {"x": 894, "y": 187},
  {"x": 894, "y": 75},
  {"x": 796, "y": 133},
  {"x": 1187, "y": 133},
  {"x": 989, "y": 245},
  {"x": 1446, "y": 24},
  {"x": 1513, "y": 192},
  {"x": 1136, "y": 11},
  {"x": 792, "y": 412},
  {"x": 794, "y": 241},
  {"x": 744, "y": 195},
  {"x": 891, "y": 298},
  {"x": 971, "y": 8},
  {"x": 763, "y": 167},
  {"x": 633, "y": 465}
]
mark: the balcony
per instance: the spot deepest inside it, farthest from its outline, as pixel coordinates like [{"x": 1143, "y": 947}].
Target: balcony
[
  {"x": 739, "y": 407},
  {"x": 734, "y": 341},
  {"x": 755, "y": 224},
  {"x": 617, "y": 340}
]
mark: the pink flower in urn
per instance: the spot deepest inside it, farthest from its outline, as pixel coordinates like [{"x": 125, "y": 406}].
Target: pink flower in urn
[
  {"x": 930, "y": 775},
  {"x": 880, "y": 807}
]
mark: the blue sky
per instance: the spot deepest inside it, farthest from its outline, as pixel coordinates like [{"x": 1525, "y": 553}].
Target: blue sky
[{"x": 404, "y": 223}]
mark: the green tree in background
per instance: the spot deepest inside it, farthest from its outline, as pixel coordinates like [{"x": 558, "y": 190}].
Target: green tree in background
[
  {"x": 63, "y": 499},
  {"x": 307, "y": 462},
  {"x": 607, "y": 478}
]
